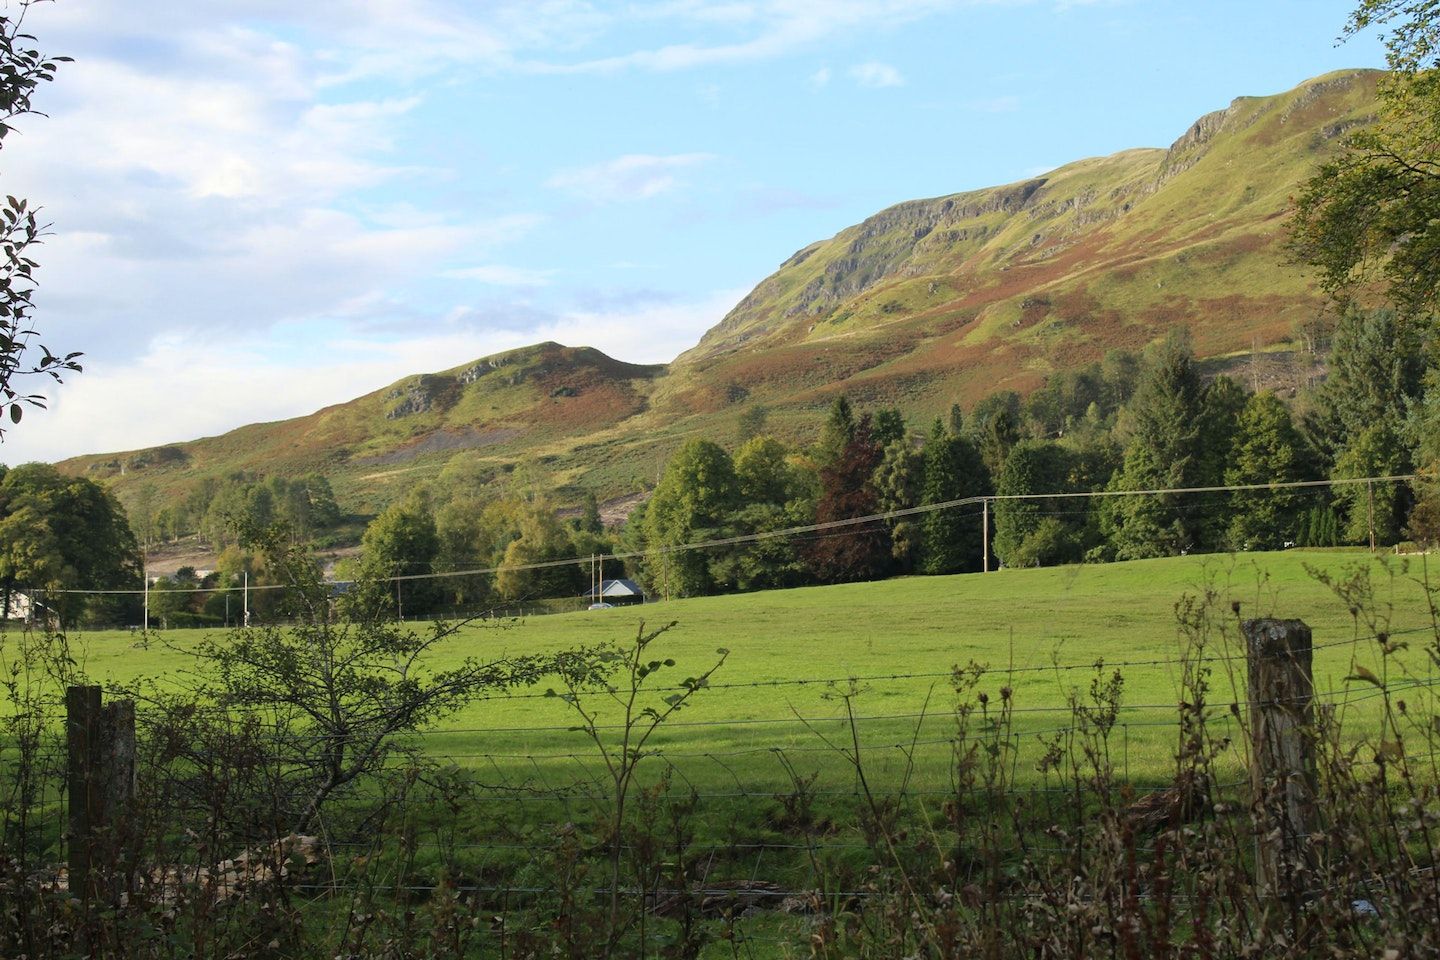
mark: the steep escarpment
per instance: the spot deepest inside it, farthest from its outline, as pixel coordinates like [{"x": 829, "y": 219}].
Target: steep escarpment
[{"x": 927, "y": 303}]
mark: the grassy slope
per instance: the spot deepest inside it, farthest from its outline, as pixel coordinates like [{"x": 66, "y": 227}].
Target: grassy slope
[
  {"x": 1027, "y": 619},
  {"x": 519, "y": 405},
  {"x": 923, "y": 304}
]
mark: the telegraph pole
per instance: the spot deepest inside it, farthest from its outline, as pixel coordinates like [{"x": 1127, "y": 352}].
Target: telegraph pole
[
  {"x": 245, "y": 597},
  {"x": 145, "y": 576},
  {"x": 985, "y": 535},
  {"x": 1370, "y": 486}
]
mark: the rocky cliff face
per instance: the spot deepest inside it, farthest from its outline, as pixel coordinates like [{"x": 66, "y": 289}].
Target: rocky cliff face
[{"x": 927, "y": 303}]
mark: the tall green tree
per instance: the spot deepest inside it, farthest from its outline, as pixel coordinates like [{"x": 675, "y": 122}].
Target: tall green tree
[
  {"x": 402, "y": 542},
  {"x": 1039, "y": 532},
  {"x": 1268, "y": 449},
  {"x": 1165, "y": 452},
  {"x": 1377, "y": 451},
  {"x": 763, "y": 473},
  {"x": 889, "y": 427},
  {"x": 897, "y": 483},
  {"x": 542, "y": 539},
  {"x": 836, "y": 434},
  {"x": 1377, "y": 368},
  {"x": 995, "y": 426},
  {"x": 1373, "y": 212},
  {"x": 66, "y": 533},
  {"x": 695, "y": 496},
  {"x": 951, "y": 539}
]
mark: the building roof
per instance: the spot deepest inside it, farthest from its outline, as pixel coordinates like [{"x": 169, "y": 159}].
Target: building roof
[{"x": 620, "y": 588}]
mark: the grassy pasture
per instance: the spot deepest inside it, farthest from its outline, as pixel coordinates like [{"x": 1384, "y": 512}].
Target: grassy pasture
[{"x": 1019, "y": 623}]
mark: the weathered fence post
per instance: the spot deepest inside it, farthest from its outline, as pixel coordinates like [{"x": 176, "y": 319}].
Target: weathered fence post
[
  {"x": 82, "y": 730},
  {"x": 100, "y": 743},
  {"x": 1282, "y": 755}
]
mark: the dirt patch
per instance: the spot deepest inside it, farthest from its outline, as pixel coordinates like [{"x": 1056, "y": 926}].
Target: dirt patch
[
  {"x": 443, "y": 441},
  {"x": 613, "y": 512},
  {"x": 163, "y": 559}
]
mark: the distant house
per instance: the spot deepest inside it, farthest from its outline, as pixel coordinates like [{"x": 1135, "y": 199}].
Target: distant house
[
  {"x": 621, "y": 592},
  {"x": 21, "y": 607}
]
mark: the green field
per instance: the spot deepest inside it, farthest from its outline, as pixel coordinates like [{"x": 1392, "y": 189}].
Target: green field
[
  {"x": 535, "y": 803},
  {"x": 1039, "y": 632}
]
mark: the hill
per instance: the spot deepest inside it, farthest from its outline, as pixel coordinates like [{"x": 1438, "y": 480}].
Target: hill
[
  {"x": 927, "y": 303},
  {"x": 498, "y": 410}
]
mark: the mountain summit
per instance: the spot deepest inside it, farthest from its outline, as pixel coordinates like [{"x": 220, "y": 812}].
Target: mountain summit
[{"x": 924, "y": 304}]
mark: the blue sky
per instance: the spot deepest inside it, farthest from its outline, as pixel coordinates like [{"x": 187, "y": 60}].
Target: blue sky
[{"x": 261, "y": 206}]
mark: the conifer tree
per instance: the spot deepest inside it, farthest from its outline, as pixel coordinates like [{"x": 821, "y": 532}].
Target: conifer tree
[
  {"x": 951, "y": 539},
  {"x": 1268, "y": 449},
  {"x": 1164, "y": 453},
  {"x": 1037, "y": 532},
  {"x": 839, "y": 430}
]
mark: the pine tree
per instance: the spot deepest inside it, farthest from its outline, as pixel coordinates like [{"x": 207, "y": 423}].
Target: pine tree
[
  {"x": 1037, "y": 532},
  {"x": 1268, "y": 449},
  {"x": 951, "y": 539},
  {"x": 838, "y": 431},
  {"x": 1165, "y": 452},
  {"x": 897, "y": 487}
]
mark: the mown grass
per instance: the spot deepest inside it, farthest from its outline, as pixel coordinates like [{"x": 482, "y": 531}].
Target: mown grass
[{"x": 1043, "y": 633}]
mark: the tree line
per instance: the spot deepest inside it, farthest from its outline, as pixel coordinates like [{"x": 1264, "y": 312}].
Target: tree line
[{"x": 1126, "y": 423}]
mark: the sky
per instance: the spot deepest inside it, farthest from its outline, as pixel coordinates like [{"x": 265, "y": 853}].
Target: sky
[{"x": 261, "y": 207}]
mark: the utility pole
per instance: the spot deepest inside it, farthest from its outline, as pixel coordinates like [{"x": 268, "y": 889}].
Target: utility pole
[
  {"x": 246, "y": 599},
  {"x": 985, "y": 535},
  {"x": 145, "y": 576},
  {"x": 1370, "y": 487}
]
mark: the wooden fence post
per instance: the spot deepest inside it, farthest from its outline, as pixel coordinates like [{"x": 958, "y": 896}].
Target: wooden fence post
[
  {"x": 101, "y": 772},
  {"x": 1282, "y": 755},
  {"x": 82, "y": 731}
]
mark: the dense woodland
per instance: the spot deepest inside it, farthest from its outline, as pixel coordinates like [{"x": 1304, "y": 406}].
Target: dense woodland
[{"x": 1127, "y": 422}]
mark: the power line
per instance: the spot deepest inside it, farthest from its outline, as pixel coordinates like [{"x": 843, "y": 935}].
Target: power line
[{"x": 667, "y": 549}]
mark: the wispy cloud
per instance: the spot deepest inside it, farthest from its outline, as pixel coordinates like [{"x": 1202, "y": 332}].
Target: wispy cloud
[
  {"x": 876, "y": 75},
  {"x": 634, "y": 176},
  {"x": 820, "y": 78},
  {"x": 203, "y": 391},
  {"x": 768, "y": 28}
]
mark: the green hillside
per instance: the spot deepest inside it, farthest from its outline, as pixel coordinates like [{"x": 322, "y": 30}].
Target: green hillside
[
  {"x": 493, "y": 413},
  {"x": 925, "y": 304}
]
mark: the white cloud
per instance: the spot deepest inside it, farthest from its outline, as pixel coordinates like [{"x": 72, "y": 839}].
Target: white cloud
[
  {"x": 644, "y": 333},
  {"x": 876, "y": 74},
  {"x": 182, "y": 387},
  {"x": 776, "y": 28},
  {"x": 502, "y": 276},
  {"x": 634, "y": 176}
]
